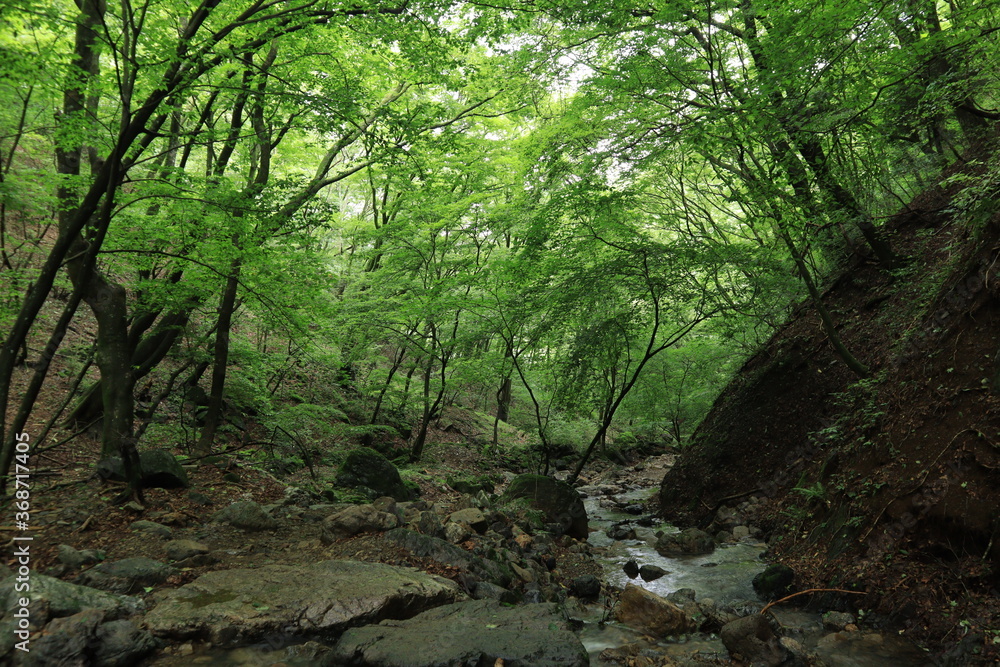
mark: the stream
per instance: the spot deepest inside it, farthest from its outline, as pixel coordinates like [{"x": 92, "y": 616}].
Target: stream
[{"x": 725, "y": 576}]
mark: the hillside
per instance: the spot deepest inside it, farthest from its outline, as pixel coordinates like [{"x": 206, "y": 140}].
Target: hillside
[{"x": 886, "y": 485}]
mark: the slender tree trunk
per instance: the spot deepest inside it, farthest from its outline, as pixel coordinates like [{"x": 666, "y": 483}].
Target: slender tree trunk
[{"x": 213, "y": 417}]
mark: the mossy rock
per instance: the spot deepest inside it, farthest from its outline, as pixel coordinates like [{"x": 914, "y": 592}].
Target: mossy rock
[
  {"x": 371, "y": 474},
  {"x": 558, "y": 501}
]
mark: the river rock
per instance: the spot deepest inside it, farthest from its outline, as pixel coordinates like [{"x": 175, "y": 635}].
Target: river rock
[
  {"x": 246, "y": 514},
  {"x": 82, "y": 639},
  {"x": 356, "y": 519},
  {"x": 837, "y": 620},
  {"x": 237, "y": 606},
  {"x": 480, "y": 632},
  {"x": 752, "y": 640},
  {"x": 126, "y": 576},
  {"x": 652, "y": 614},
  {"x": 651, "y": 572},
  {"x": 558, "y": 501},
  {"x": 774, "y": 582},
  {"x": 122, "y": 644},
  {"x": 373, "y": 475},
  {"x": 689, "y": 542},
  {"x": 62, "y": 598},
  {"x": 631, "y": 569},
  {"x": 586, "y": 587},
  {"x": 74, "y": 559},
  {"x": 448, "y": 554}
]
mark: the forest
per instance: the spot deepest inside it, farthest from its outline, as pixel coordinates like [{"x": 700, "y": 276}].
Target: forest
[{"x": 270, "y": 232}]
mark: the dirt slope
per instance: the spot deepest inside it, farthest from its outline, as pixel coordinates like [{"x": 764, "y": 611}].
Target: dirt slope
[{"x": 889, "y": 485}]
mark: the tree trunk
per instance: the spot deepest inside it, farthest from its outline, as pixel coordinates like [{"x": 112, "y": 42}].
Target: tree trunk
[{"x": 213, "y": 417}]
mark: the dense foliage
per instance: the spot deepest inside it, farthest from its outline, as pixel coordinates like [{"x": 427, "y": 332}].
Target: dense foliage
[{"x": 340, "y": 219}]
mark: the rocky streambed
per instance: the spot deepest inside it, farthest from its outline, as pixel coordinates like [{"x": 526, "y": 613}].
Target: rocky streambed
[{"x": 511, "y": 580}]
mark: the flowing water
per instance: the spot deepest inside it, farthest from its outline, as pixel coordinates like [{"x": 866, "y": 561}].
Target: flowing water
[{"x": 725, "y": 576}]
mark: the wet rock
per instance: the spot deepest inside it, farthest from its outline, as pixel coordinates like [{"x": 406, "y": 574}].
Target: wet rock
[
  {"x": 64, "y": 642},
  {"x": 689, "y": 542},
  {"x": 774, "y": 582},
  {"x": 837, "y": 620},
  {"x": 371, "y": 474},
  {"x": 631, "y": 569},
  {"x": 586, "y": 587},
  {"x": 558, "y": 501},
  {"x": 752, "y": 640},
  {"x": 238, "y": 606},
  {"x": 741, "y": 532},
  {"x": 182, "y": 549},
  {"x": 449, "y": 554},
  {"x": 356, "y": 519},
  {"x": 479, "y": 632},
  {"x": 153, "y": 528},
  {"x": 620, "y": 531},
  {"x": 126, "y": 576},
  {"x": 652, "y": 614},
  {"x": 246, "y": 514},
  {"x": 122, "y": 644},
  {"x": 651, "y": 572}
]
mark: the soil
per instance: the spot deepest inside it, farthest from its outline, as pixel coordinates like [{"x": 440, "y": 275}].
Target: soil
[{"x": 886, "y": 485}]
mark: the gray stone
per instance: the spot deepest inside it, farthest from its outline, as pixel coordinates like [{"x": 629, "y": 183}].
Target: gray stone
[
  {"x": 370, "y": 473},
  {"x": 740, "y": 532},
  {"x": 157, "y": 529},
  {"x": 689, "y": 542},
  {"x": 558, "y": 501},
  {"x": 752, "y": 640},
  {"x": 356, "y": 519},
  {"x": 181, "y": 549},
  {"x": 122, "y": 644},
  {"x": 74, "y": 559},
  {"x": 472, "y": 517},
  {"x": 586, "y": 587},
  {"x": 652, "y": 614},
  {"x": 480, "y": 632},
  {"x": 246, "y": 514},
  {"x": 158, "y": 469},
  {"x": 837, "y": 620},
  {"x": 485, "y": 590},
  {"x": 64, "y": 642},
  {"x": 229, "y": 607},
  {"x": 65, "y": 599},
  {"x": 126, "y": 576},
  {"x": 449, "y": 554},
  {"x": 428, "y": 523},
  {"x": 456, "y": 532}
]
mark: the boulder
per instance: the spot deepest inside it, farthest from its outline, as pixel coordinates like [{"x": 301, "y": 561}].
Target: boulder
[
  {"x": 651, "y": 572},
  {"x": 752, "y": 640},
  {"x": 373, "y": 475},
  {"x": 83, "y": 639},
  {"x": 471, "y": 487},
  {"x": 62, "y": 598},
  {"x": 689, "y": 542},
  {"x": 479, "y": 632},
  {"x": 471, "y": 517},
  {"x": 774, "y": 582},
  {"x": 446, "y": 553},
  {"x": 158, "y": 469},
  {"x": 246, "y": 514},
  {"x": 586, "y": 587},
  {"x": 126, "y": 576},
  {"x": 622, "y": 530},
  {"x": 631, "y": 569},
  {"x": 837, "y": 620},
  {"x": 230, "y": 607},
  {"x": 652, "y": 614},
  {"x": 356, "y": 519},
  {"x": 558, "y": 501}
]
